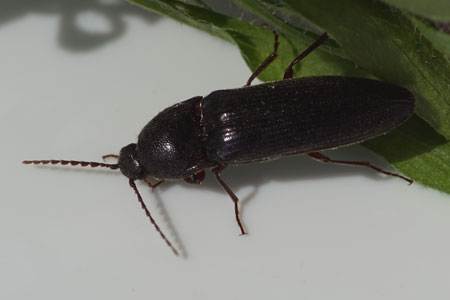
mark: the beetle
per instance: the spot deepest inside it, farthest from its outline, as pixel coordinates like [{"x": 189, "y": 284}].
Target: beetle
[{"x": 257, "y": 123}]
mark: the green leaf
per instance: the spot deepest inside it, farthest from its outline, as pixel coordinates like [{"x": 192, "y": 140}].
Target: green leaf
[
  {"x": 384, "y": 41},
  {"x": 414, "y": 148},
  {"x": 440, "y": 39},
  {"x": 298, "y": 36},
  {"x": 200, "y": 3},
  {"x": 418, "y": 151},
  {"x": 438, "y": 10}
]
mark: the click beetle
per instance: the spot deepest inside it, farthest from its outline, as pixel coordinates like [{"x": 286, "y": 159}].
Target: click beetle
[{"x": 258, "y": 123}]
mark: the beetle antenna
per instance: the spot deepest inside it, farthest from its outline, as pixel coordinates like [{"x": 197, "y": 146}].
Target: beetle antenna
[
  {"x": 147, "y": 212},
  {"x": 72, "y": 163}
]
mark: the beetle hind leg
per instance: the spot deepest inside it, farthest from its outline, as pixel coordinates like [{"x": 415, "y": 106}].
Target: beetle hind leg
[
  {"x": 216, "y": 171},
  {"x": 325, "y": 159}
]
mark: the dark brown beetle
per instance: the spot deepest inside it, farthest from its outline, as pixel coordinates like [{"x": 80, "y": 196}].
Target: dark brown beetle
[{"x": 261, "y": 122}]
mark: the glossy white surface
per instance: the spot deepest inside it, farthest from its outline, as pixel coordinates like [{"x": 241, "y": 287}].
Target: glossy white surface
[{"x": 316, "y": 231}]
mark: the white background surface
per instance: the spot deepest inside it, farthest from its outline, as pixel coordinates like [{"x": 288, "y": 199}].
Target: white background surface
[{"x": 316, "y": 231}]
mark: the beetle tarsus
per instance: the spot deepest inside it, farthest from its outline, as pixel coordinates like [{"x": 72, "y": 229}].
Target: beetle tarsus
[
  {"x": 216, "y": 171},
  {"x": 325, "y": 159}
]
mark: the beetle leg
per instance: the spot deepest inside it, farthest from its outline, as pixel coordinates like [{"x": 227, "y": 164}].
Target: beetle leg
[
  {"x": 289, "y": 71},
  {"x": 325, "y": 159},
  {"x": 151, "y": 185},
  {"x": 216, "y": 171},
  {"x": 267, "y": 61},
  {"x": 196, "y": 178}
]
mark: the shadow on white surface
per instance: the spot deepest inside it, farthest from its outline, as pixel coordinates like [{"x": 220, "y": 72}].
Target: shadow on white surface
[{"x": 108, "y": 19}]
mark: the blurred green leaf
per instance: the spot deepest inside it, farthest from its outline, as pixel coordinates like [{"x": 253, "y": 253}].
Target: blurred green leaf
[
  {"x": 438, "y": 10},
  {"x": 418, "y": 151},
  {"x": 440, "y": 39},
  {"x": 298, "y": 36}
]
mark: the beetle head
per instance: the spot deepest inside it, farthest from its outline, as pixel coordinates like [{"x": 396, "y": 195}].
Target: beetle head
[{"x": 129, "y": 164}]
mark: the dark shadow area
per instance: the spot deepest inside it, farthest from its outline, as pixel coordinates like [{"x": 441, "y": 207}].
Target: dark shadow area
[
  {"x": 294, "y": 168},
  {"x": 71, "y": 35},
  {"x": 413, "y": 138},
  {"x": 299, "y": 168}
]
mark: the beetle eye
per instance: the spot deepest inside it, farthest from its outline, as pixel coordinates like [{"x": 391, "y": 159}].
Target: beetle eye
[{"x": 129, "y": 164}]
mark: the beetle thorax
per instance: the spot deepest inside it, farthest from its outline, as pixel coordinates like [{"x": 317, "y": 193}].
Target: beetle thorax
[{"x": 170, "y": 146}]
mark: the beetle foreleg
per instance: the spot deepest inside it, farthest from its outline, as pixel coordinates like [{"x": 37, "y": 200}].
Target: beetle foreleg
[
  {"x": 267, "y": 61},
  {"x": 289, "y": 71},
  {"x": 325, "y": 159},
  {"x": 216, "y": 171},
  {"x": 153, "y": 185}
]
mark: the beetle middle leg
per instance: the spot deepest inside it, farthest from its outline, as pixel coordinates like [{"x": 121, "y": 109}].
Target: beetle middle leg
[
  {"x": 289, "y": 71},
  {"x": 325, "y": 159},
  {"x": 216, "y": 171},
  {"x": 267, "y": 61}
]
